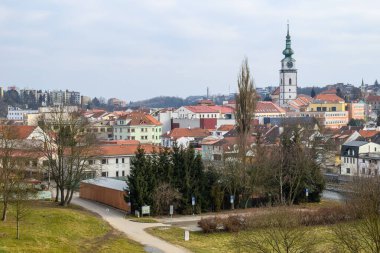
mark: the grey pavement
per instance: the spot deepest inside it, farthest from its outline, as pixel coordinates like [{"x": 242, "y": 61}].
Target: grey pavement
[{"x": 134, "y": 230}]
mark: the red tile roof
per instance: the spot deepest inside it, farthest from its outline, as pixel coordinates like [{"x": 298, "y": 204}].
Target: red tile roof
[
  {"x": 223, "y": 109},
  {"x": 201, "y": 109},
  {"x": 114, "y": 150},
  {"x": 140, "y": 118},
  {"x": 368, "y": 133},
  {"x": 18, "y": 132},
  {"x": 330, "y": 91},
  {"x": 186, "y": 132},
  {"x": 226, "y": 128},
  {"x": 332, "y": 98},
  {"x": 276, "y": 91},
  {"x": 268, "y": 107}
]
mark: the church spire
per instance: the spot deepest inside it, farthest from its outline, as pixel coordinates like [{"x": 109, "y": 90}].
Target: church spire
[{"x": 288, "y": 50}]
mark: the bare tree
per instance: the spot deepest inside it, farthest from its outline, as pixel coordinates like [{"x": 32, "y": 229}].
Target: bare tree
[
  {"x": 364, "y": 203},
  {"x": 164, "y": 195},
  {"x": 22, "y": 197},
  {"x": 283, "y": 234},
  {"x": 68, "y": 147},
  {"x": 8, "y": 166}
]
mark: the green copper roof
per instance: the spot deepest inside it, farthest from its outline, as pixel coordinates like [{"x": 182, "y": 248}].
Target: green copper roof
[{"x": 288, "y": 51}]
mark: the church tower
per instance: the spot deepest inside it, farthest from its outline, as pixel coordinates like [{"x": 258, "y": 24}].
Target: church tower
[{"x": 288, "y": 75}]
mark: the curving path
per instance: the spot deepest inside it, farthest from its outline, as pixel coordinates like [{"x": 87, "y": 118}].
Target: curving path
[{"x": 133, "y": 230}]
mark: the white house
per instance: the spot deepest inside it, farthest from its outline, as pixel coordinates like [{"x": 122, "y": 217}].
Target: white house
[
  {"x": 114, "y": 160},
  {"x": 355, "y": 155},
  {"x": 18, "y": 114}
]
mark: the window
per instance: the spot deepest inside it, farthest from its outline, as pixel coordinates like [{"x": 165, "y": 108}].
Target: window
[
  {"x": 290, "y": 81},
  {"x": 117, "y": 173},
  {"x": 104, "y": 161},
  {"x": 333, "y": 109},
  {"x": 363, "y": 170},
  {"x": 122, "y": 160},
  {"x": 90, "y": 162},
  {"x": 117, "y": 160},
  {"x": 123, "y": 173},
  {"x": 104, "y": 174},
  {"x": 348, "y": 171},
  {"x": 132, "y": 130}
]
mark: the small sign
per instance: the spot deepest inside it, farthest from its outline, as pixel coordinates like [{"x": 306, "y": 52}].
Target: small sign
[
  {"x": 187, "y": 235},
  {"x": 137, "y": 213},
  {"x": 145, "y": 210},
  {"x": 193, "y": 201},
  {"x": 232, "y": 199},
  {"x": 307, "y": 192},
  {"x": 171, "y": 209}
]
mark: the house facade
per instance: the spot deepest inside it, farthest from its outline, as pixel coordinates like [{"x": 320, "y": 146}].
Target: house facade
[
  {"x": 138, "y": 126},
  {"x": 353, "y": 156}
]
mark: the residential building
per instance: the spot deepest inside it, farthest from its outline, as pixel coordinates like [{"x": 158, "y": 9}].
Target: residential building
[
  {"x": 113, "y": 159},
  {"x": 18, "y": 114},
  {"x": 356, "y": 110},
  {"x": 205, "y": 112},
  {"x": 138, "y": 126},
  {"x": 354, "y": 156},
  {"x": 116, "y": 102},
  {"x": 184, "y": 137},
  {"x": 268, "y": 109}
]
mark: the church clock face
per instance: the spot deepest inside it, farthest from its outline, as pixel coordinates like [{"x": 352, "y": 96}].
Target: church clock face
[{"x": 290, "y": 64}]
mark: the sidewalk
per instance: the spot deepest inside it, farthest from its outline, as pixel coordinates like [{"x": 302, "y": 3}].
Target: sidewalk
[{"x": 133, "y": 230}]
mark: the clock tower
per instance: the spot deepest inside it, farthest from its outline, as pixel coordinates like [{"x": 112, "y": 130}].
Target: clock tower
[{"x": 288, "y": 75}]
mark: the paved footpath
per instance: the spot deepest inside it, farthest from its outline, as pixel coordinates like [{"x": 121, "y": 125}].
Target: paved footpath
[{"x": 133, "y": 230}]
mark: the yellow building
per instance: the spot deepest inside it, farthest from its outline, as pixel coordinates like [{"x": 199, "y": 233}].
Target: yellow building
[{"x": 330, "y": 110}]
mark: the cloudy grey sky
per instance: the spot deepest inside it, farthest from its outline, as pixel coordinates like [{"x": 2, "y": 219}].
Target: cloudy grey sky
[{"x": 143, "y": 48}]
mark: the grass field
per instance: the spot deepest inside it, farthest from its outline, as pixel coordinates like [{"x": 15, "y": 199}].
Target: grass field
[
  {"x": 141, "y": 219},
  {"x": 49, "y": 228},
  {"x": 223, "y": 242}
]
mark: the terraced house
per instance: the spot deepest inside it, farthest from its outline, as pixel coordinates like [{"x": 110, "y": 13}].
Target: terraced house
[{"x": 138, "y": 126}]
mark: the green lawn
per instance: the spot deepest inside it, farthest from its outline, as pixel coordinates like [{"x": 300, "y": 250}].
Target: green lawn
[
  {"x": 49, "y": 228},
  {"x": 223, "y": 242},
  {"x": 141, "y": 219}
]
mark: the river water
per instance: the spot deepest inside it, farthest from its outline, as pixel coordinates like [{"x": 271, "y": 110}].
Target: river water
[{"x": 332, "y": 195}]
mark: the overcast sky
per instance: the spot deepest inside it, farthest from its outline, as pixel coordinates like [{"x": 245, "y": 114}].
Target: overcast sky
[{"x": 144, "y": 48}]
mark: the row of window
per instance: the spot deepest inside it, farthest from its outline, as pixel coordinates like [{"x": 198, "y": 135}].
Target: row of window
[
  {"x": 349, "y": 160},
  {"x": 105, "y": 161},
  {"x": 333, "y": 122},
  {"x": 105, "y": 173},
  {"x": 369, "y": 171},
  {"x": 144, "y": 137},
  {"x": 143, "y": 130},
  {"x": 290, "y": 81}
]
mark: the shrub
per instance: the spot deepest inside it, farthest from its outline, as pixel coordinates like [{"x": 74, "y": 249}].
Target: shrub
[
  {"x": 326, "y": 216},
  {"x": 234, "y": 223},
  {"x": 208, "y": 225}
]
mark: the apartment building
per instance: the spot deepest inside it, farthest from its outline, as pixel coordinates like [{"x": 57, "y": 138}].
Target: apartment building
[{"x": 138, "y": 126}]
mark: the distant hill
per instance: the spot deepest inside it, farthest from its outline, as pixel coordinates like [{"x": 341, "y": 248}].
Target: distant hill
[
  {"x": 307, "y": 90},
  {"x": 160, "y": 102}
]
